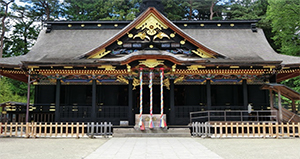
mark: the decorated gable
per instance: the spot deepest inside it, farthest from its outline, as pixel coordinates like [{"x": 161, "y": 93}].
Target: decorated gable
[{"x": 152, "y": 31}]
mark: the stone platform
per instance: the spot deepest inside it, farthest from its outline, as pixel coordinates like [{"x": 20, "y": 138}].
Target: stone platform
[{"x": 156, "y": 132}]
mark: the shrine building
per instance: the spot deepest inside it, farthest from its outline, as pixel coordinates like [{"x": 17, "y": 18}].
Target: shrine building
[{"x": 118, "y": 70}]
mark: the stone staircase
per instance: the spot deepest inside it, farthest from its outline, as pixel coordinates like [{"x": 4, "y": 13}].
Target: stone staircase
[{"x": 156, "y": 132}]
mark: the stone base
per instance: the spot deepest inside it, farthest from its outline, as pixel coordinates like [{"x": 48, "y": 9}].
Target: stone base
[{"x": 156, "y": 132}]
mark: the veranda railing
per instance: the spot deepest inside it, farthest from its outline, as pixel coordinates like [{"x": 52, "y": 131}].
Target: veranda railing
[{"x": 233, "y": 115}]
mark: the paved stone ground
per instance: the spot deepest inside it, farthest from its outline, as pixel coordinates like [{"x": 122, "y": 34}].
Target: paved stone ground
[
  {"x": 153, "y": 148},
  {"x": 17, "y": 148},
  {"x": 254, "y": 148}
]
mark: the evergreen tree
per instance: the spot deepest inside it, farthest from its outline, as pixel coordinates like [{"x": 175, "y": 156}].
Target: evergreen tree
[{"x": 285, "y": 21}]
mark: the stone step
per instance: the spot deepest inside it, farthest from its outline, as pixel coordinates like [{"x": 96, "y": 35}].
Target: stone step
[{"x": 156, "y": 132}]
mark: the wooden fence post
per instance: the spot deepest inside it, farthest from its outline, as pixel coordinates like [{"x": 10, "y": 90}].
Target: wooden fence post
[
  {"x": 10, "y": 131},
  {"x": 77, "y": 130},
  {"x": 82, "y": 129}
]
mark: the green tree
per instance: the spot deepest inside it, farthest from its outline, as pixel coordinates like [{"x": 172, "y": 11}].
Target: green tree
[
  {"x": 45, "y": 10},
  {"x": 4, "y": 14},
  {"x": 285, "y": 21},
  {"x": 175, "y": 10},
  {"x": 24, "y": 33},
  {"x": 101, "y": 9},
  {"x": 9, "y": 93}
]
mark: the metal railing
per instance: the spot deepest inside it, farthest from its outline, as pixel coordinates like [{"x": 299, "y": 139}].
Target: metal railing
[
  {"x": 233, "y": 115},
  {"x": 99, "y": 129}
]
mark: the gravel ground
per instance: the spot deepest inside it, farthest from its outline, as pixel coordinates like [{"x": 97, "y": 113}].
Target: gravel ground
[
  {"x": 254, "y": 148},
  {"x": 16, "y": 148}
]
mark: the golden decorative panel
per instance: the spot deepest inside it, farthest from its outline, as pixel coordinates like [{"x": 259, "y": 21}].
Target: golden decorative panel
[
  {"x": 151, "y": 23},
  {"x": 151, "y": 63}
]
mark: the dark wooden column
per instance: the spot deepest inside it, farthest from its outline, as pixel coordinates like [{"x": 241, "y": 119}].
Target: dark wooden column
[
  {"x": 28, "y": 97},
  {"x": 208, "y": 94},
  {"x": 130, "y": 103},
  {"x": 279, "y": 106},
  {"x": 172, "y": 103},
  {"x": 94, "y": 100},
  {"x": 57, "y": 101},
  {"x": 271, "y": 99},
  {"x": 245, "y": 94}
]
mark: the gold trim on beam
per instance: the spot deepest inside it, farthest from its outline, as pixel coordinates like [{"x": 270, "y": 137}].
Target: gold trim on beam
[
  {"x": 32, "y": 67},
  {"x": 99, "y": 54},
  {"x": 195, "y": 67},
  {"x": 107, "y": 67},
  {"x": 69, "y": 67},
  {"x": 269, "y": 67},
  {"x": 202, "y": 53},
  {"x": 234, "y": 67}
]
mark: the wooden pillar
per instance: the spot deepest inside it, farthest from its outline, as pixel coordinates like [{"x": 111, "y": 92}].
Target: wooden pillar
[
  {"x": 130, "y": 103},
  {"x": 172, "y": 103},
  {"x": 94, "y": 100},
  {"x": 293, "y": 106},
  {"x": 208, "y": 94},
  {"x": 279, "y": 106},
  {"x": 28, "y": 97},
  {"x": 271, "y": 99},
  {"x": 57, "y": 101},
  {"x": 245, "y": 94}
]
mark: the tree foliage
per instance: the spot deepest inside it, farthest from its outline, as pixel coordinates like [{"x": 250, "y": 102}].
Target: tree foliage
[
  {"x": 12, "y": 90},
  {"x": 175, "y": 10},
  {"x": 44, "y": 10},
  {"x": 101, "y": 9},
  {"x": 24, "y": 33},
  {"x": 285, "y": 21}
]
